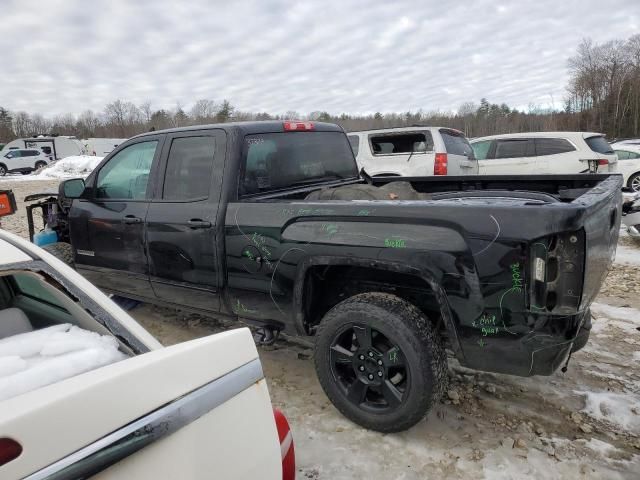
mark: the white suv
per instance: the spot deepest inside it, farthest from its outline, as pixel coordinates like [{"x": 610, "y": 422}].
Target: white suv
[
  {"x": 413, "y": 152},
  {"x": 544, "y": 152},
  {"x": 23, "y": 160}
]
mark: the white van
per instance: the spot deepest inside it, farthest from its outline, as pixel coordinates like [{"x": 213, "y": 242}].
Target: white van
[
  {"x": 53, "y": 147},
  {"x": 543, "y": 153},
  {"x": 413, "y": 152}
]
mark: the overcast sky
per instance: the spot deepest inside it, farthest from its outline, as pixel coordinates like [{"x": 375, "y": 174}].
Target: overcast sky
[{"x": 340, "y": 56}]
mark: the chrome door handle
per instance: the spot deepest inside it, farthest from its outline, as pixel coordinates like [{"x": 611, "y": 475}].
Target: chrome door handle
[{"x": 130, "y": 219}]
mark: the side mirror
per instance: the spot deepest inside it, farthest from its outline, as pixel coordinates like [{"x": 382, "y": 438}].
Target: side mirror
[{"x": 72, "y": 188}]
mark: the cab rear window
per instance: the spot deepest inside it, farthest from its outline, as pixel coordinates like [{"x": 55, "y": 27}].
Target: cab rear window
[{"x": 277, "y": 161}]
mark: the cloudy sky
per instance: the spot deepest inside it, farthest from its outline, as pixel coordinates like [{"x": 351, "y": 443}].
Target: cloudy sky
[{"x": 276, "y": 56}]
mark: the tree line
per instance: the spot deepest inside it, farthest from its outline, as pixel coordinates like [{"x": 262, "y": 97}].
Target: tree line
[{"x": 603, "y": 95}]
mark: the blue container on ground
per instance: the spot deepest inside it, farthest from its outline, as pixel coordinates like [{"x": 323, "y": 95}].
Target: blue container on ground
[{"x": 45, "y": 237}]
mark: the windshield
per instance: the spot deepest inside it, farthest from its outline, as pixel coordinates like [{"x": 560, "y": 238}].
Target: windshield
[{"x": 274, "y": 161}]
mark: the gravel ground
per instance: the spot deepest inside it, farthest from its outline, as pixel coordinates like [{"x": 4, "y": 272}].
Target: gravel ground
[{"x": 581, "y": 424}]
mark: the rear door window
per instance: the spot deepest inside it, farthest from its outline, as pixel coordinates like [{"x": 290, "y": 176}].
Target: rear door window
[
  {"x": 627, "y": 155},
  {"x": 354, "y": 140},
  {"x": 552, "y": 146},
  {"x": 514, "y": 148},
  {"x": 481, "y": 149},
  {"x": 401, "y": 143},
  {"x": 456, "y": 143},
  {"x": 189, "y": 168},
  {"x": 599, "y": 144}
]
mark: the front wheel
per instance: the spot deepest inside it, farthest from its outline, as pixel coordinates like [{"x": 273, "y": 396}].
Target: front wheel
[
  {"x": 634, "y": 182},
  {"x": 380, "y": 361},
  {"x": 40, "y": 165},
  {"x": 3, "y": 170}
]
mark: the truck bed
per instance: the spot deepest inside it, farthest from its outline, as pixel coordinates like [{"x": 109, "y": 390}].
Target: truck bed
[{"x": 516, "y": 260}]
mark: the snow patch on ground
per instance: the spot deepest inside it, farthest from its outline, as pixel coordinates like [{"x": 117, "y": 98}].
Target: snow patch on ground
[
  {"x": 606, "y": 316},
  {"x": 614, "y": 408},
  {"x": 69, "y": 167},
  {"x": 32, "y": 360},
  {"x": 627, "y": 255}
]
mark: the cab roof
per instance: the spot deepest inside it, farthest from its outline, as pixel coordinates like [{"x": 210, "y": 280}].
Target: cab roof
[
  {"x": 248, "y": 128},
  {"x": 539, "y": 135}
]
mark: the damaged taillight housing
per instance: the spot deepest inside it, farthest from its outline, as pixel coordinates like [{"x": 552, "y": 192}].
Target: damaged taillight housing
[{"x": 557, "y": 271}]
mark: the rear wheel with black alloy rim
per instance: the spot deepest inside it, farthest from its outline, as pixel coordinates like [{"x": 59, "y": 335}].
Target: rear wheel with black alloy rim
[
  {"x": 40, "y": 165},
  {"x": 380, "y": 361}
]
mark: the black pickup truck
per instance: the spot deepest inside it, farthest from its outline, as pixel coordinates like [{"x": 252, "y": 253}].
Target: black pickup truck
[{"x": 272, "y": 223}]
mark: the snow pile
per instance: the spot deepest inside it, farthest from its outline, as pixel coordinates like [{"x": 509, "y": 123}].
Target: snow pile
[
  {"x": 32, "y": 360},
  {"x": 614, "y": 408},
  {"x": 627, "y": 255},
  {"x": 607, "y": 316},
  {"x": 69, "y": 167}
]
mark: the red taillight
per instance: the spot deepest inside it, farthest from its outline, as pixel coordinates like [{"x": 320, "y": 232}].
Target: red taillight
[
  {"x": 299, "y": 126},
  {"x": 286, "y": 446},
  {"x": 9, "y": 450},
  {"x": 440, "y": 165},
  {"x": 603, "y": 161}
]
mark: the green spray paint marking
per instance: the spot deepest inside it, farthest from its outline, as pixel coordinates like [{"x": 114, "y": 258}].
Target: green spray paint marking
[
  {"x": 364, "y": 213},
  {"x": 393, "y": 356},
  {"x": 487, "y": 324},
  {"x": 259, "y": 241},
  {"x": 517, "y": 281},
  {"x": 489, "y": 331},
  {"x": 240, "y": 308},
  {"x": 394, "y": 243},
  {"x": 329, "y": 228},
  {"x": 481, "y": 343}
]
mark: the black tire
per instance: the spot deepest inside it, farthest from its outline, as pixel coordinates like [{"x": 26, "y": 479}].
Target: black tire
[
  {"x": 3, "y": 170},
  {"x": 634, "y": 182},
  {"x": 40, "y": 165},
  {"x": 62, "y": 251},
  {"x": 420, "y": 375}
]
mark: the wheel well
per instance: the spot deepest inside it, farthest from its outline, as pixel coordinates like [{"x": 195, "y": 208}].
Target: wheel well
[{"x": 327, "y": 285}]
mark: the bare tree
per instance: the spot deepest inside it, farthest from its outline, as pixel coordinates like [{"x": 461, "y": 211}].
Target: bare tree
[
  {"x": 203, "y": 111},
  {"x": 146, "y": 111}
]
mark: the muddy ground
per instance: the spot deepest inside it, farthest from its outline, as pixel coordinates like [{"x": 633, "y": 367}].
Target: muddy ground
[{"x": 584, "y": 423}]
